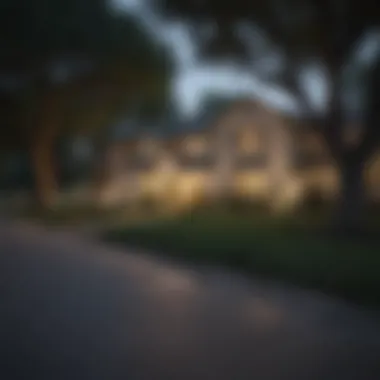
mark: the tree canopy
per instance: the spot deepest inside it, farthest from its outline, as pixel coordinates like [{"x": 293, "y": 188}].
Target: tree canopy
[{"x": 71, "y": 65}]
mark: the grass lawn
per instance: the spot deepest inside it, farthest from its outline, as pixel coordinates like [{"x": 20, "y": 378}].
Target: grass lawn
[{"x": 288, "y": 249}]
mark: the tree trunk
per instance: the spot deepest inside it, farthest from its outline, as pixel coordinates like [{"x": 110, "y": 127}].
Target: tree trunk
[
  {"x": 42, "y": 150},
  {"x": 45, "y": 176},
  {"x": 352, "y": 199},
  {"x": 100, "y": 169}
]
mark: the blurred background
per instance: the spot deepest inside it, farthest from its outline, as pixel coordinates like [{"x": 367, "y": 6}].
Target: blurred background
[{"x": 242, "y": 134}]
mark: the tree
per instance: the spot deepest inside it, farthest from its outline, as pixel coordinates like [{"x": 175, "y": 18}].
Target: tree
[
  {"x": 325, "y": 30},
  {"x": 67, "y": 55}
]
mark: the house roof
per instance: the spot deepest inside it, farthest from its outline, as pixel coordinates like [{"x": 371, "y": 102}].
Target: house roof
[{"x": 174, "y": 127}]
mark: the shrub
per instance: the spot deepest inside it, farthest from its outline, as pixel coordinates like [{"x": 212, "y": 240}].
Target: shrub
[{"x": 234, "y": 204}]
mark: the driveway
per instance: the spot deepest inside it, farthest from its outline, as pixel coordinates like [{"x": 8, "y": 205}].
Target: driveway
[{"x": 71, "y": 308}]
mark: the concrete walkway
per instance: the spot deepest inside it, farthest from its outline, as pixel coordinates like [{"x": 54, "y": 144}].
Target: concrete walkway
[{"x": 73, "y": 309}]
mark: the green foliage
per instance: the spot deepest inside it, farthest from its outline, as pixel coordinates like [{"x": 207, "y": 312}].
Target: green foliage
[
  {"x": 42, "y": 27},
  {"x": 128, "y": 65},
  {"x": 327, "y": 28},
  {"x": 290, "y": 248}
]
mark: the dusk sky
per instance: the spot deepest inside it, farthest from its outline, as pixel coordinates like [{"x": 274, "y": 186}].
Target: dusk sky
[{"x": 196, "y": 78}]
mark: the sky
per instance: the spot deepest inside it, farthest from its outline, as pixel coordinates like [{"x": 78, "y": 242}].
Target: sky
[{"x": 195, "y": 78}]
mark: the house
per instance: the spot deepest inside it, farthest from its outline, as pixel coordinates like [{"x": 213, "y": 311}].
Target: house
[{"x": 241, "y": 149}]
